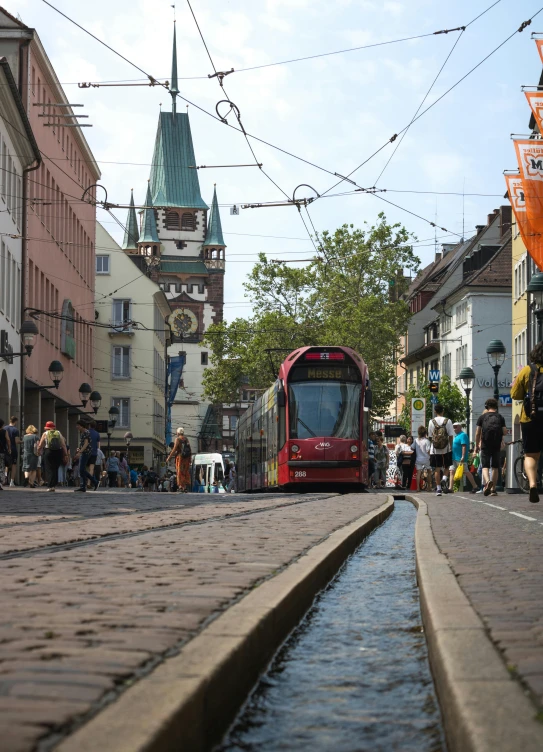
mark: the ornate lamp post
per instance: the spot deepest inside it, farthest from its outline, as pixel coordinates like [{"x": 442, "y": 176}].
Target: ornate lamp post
[
  {"x": 496, "y": 356},
  {"x": 466, "y": 378},
  {"x": 535, "y": 286},
  {"x": 113, "y": 413},
  {"x": 128, "y": 438},
  {"x": 96, "y": 401}
]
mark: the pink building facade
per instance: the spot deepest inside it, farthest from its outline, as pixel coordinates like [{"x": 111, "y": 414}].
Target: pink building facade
[{"x": 59, "y": 231}]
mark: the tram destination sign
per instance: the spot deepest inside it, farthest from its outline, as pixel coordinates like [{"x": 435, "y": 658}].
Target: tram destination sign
[{"x": 331, "y": 372}]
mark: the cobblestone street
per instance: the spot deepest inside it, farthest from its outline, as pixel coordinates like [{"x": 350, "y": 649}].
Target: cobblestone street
[{"x": 97, "y": 590}]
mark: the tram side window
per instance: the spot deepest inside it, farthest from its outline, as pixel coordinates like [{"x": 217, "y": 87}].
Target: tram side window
[{"x": 281, "y": 428}]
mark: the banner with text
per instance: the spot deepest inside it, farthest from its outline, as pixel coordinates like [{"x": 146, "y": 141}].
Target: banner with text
[
  {"x": 515, "y": 190},
  {"x": 539, "y": 44},
  {"x": 535, "y": 100},
  {"x": 530, "y": 162}
]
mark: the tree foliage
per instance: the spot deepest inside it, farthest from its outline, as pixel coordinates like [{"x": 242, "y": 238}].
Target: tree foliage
[
  {"x": 348, "y": 295},
  {"x": 450, "y": 396}
]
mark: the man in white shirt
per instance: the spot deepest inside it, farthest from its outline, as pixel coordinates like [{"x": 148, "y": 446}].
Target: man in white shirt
[{"x": 441, "y": 433}]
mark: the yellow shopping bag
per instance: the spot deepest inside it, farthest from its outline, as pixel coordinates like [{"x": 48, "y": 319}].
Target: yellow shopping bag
[{"x": 458, "y": 482}]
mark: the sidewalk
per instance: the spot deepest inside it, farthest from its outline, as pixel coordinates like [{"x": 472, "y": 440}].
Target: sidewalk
[
  {"x": 495, "y": 548},
  {"x": 98, "y": 591}
]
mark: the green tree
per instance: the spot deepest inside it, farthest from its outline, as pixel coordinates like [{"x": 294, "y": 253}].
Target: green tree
[
  {"x": 348, "y": 295},
  {"x": 450, "y": 396}
]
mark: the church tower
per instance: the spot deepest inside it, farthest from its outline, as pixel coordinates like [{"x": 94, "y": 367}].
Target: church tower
[{"x": 189, "y": 261}]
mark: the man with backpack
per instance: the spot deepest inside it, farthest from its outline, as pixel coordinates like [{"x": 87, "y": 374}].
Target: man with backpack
[
  {"x": 53, "y": 448},
  {"x": 488, "y": 439},
  {"x": 528, "y": 386},
  {"x": 441, "y": 433}
]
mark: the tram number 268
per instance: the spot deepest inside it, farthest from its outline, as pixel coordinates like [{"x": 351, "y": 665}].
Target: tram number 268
[{"x": 300, "y": 474}]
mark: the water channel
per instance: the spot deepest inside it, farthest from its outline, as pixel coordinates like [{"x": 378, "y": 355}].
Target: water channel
[{"x": 354, "y": 676}]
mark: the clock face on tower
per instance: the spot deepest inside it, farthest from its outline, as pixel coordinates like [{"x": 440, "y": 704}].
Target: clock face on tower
[{"x": 183, "y": 322}]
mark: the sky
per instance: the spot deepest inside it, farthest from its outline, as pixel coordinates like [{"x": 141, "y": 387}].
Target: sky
[{"x": 334, "y": 111}]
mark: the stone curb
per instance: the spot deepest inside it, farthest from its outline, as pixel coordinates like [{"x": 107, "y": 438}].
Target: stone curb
[
  {"x": 484, "y": 709},
  {"x": 189, "y": 701}
]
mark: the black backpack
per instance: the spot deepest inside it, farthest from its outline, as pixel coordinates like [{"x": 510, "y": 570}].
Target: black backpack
[
  {"x": 185, "y": 450},
  {"x": 492, "y": 429},
  {"x": 533, "y": 402}
]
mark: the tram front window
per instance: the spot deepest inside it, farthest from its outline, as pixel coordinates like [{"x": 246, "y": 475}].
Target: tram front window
[{"x": 329, "y": 408}]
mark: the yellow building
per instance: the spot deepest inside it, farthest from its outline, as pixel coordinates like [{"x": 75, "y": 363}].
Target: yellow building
[
  {"x": 521, "y": 276},
  {"x": 129, "y": 351}
]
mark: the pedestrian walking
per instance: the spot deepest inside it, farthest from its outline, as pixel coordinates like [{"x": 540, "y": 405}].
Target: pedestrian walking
[
  {"x": 460, "y": 448},
  {"x": 11, "y": 459},
  {"x": 232, "y": 479},
  {"x": 182, "y": 453},
  {"x": 528, "y": 386},
  {"x": 30, "y": 455},
  {"x": 5, "y": 451},
  {"x": 94, "y": 447},
  {"x": 423, "y": 448},
  {"x": 489, "y": 438},
  {"x": 122, "y": 478},
  {"x": 53, "y": 448},
  {"x": 112, "y": 467},
  {"x": 404, "y": 454},
  {"x": 83, "y": 455},
  {"x": 440, "y": 431},
  {"x": 371, "y": 455},
  {"x": 99, "y": 464},
  {"x": 382, "y": 458}
]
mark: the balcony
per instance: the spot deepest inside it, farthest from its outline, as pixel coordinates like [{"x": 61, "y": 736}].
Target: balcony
[{"x": 120, "y": 327}]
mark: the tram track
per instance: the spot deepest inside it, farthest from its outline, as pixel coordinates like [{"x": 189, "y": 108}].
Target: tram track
[{"x": 112, "y": 537}]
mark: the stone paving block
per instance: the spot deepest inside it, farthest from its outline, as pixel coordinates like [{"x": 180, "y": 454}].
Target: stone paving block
[{"x": 78, "y": 623}]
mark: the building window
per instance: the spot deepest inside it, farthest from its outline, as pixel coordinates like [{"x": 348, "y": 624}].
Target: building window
[
  {"x": 446, "y": 364},
  {"x": 462, "y": 313},
  {"x": 461, "y": 358},
  {"x": 102, "y": 264},
  {"x": 122, "y": 310},
  {"x": 123, "y": 405},
  {"x": 187, "y": 221},
  {"x": 172, "y": 220},
  {"x": 233, "y": 422},
  {"x": 520, "y": 354},
  {"x": 204, "y": 358},
  {"x": 248, "y": 395},
  {"x": 120, "y": 366},
  {"x": 446, "y": 328}
]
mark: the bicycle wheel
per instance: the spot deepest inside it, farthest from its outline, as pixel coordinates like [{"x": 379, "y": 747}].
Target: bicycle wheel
[{"x": 520, "y": 475}]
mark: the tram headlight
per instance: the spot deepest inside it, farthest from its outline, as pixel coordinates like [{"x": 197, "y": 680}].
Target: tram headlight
[
  {"x": 354, "y": 448},
  {"x": 295, "y": 449}
]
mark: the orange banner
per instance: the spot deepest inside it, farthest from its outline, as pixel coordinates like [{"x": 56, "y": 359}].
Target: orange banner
[
  {"x": 539, "y": 43},
  {"x": 515, "y": 191},
  {"x": 530, "y": 163},
  {"x": 535, "y": 100}
]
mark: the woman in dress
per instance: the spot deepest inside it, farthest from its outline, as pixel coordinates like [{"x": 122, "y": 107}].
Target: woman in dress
[
  {"x": 182, "y": 453},
  {"x": 30, "y": 456}
]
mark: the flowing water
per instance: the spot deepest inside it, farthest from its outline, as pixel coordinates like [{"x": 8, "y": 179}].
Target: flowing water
[{"x": 354, "y": 676}]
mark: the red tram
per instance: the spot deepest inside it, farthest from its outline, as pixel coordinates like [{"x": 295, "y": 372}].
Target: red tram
[{"x": 310, "y": 428}]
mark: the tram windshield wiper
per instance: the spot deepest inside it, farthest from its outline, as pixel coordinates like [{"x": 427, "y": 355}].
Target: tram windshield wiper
[{"x": 307, "y": 427}]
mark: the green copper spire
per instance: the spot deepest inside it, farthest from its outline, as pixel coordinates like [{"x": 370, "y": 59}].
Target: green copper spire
[
  {"x": 148, "y": 226},
  {"x": 131, "y": 234},
  {"x": 174, "y": 90},
  {"x": 214, "y": 228}
]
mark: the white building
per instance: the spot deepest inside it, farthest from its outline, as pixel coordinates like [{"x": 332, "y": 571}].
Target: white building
[
  {"x": 18, "y": 152},
  {"x": 130, "y": 350}
]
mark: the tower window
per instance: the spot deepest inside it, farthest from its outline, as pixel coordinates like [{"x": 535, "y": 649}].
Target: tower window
[
  {"x": 187, "y": 221},
  {"x": 172, "y": 220}
]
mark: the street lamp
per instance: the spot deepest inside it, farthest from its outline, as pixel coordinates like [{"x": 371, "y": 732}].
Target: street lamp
[
  {"x": 496, "y": 356},
  {"x": 96, "y": 401},
  {"x": 535, "y": 286},
  {"x": 56, "y": 372},
  {"x": 113, "y": 413},
  {"x": 28, "y": 332},
  {"x": 128, "y": 438},
  {"x": 84, "y": 393},
  {"x": 466, "y": 378}
]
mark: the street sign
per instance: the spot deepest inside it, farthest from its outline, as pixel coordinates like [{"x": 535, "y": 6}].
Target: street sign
[
  {"x": 434, "y": 376},
  {"x": 418, "y": 413},
  {"x": 434, "y": 399},
  {"x": 506, "y": 400}
]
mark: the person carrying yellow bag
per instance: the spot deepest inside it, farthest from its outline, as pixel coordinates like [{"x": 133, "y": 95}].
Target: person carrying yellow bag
[{"x": 459, "y": 468}]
